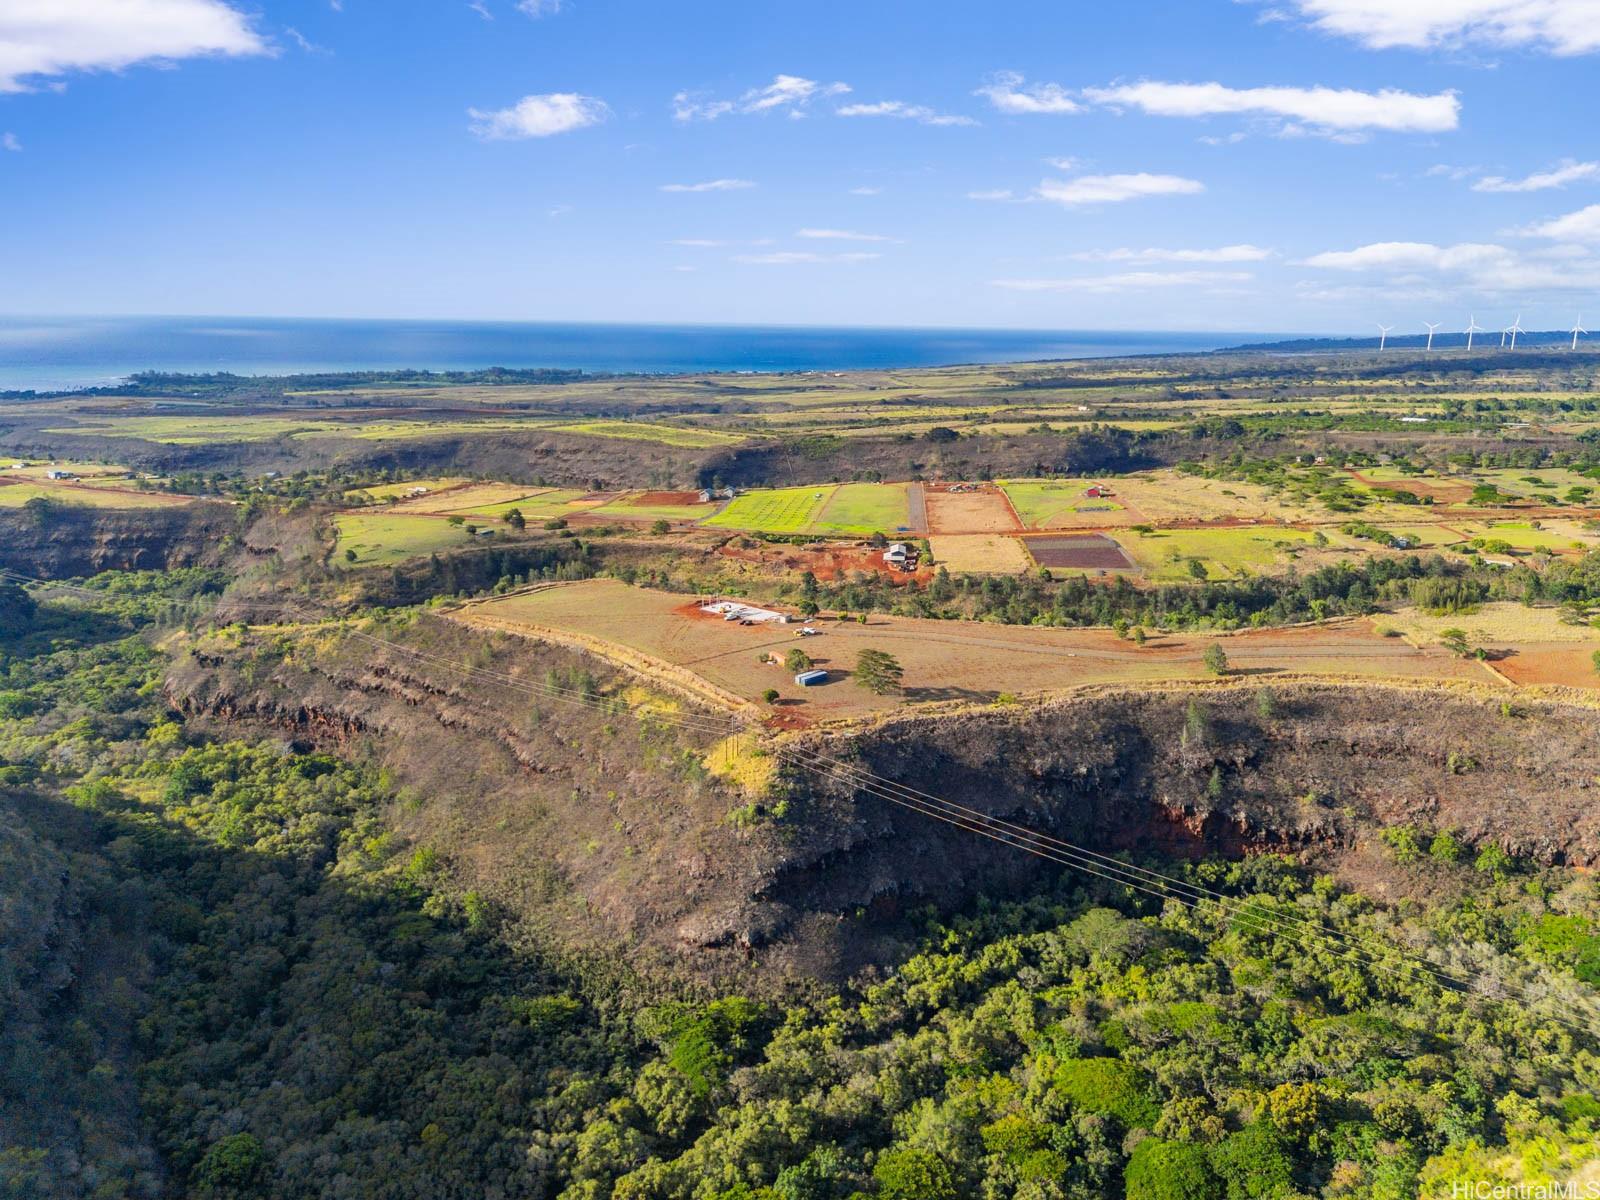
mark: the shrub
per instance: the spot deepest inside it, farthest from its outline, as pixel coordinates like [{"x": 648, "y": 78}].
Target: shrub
[
  {"x": 909, "y": 1173},
  {"x": 1253, "y": 1165}
]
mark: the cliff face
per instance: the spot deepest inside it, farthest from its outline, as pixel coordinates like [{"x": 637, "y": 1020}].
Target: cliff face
[
  {"x": 604, "y": 828},
  {"x": 74, "y": 540}
]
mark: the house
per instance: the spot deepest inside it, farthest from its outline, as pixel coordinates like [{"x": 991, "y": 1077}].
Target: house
[
  {"x": 55, "y": 474},
  {"x": 811, "y": 678},
  {"x": 1098, "y": 491}
]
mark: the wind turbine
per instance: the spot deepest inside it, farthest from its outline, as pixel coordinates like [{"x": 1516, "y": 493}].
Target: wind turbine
[
  {"x": 1432, "y": 325},
  {"x": 1472, "y": 328},
  {"x": 1516, "y": 328},
  {"x": 1503, "y": 334},
  {"x": 1383, "y": 336},
  {"x": 1577, "y": 328}
]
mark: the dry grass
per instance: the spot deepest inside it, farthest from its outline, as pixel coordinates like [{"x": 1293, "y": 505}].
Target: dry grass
[
  {"x": 980, "y": 552},
  {"x": 1491, "y": 625}
]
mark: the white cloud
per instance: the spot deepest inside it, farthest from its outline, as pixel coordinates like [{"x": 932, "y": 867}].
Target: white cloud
[
  {"x": 1126, "y": 281},
  {"x": 866, "y": 191},
  {"x": 710, "y": 185},
  {"x": 1063, "y": 164},
  {"x": 538, "y": 116},
  {"x": 1221, "y": 254},
  {"x": 907, "y": 112},
  {"x": 1338, "y": 109},
  {"x": 1232, "y": 139},
  {"x": 841, "y": 235},
  {"x": 482, "y": 9},
  {"x": 993, "y": 194},
  {"x": 786, "y": 93},
  {"x": 9, "y": 141},
  {"x": 697, "y": 242},
  {"x": 787, "y": 258},
  {"x": 1474, "y": 266},
  {"x": 539, "y": 8},
  {"x": 1008, "y": 94},
  {"x": 1559, "y": 26},
  {"x": 1568, "y": 172},
  {"x": 1580, "y": 226},
  {"x": 43, "y": 39},
  {"x": 1112, "y": 189}
]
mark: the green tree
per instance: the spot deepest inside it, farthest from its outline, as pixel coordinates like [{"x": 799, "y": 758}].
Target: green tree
[
  {"x": 661, "y": 525},
  {"x": 878, "y": 672},
  {"x": 797, "y": 660},
  {"x": 515, "y": 519},
  {"x": 770, "y": 696},
  {"x": 911, "y": 1173},
  {"x": 1216, "y": 659},
  {"x": 1161, "y": 1170}
]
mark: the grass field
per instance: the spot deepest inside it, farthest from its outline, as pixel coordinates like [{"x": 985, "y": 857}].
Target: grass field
[
  {"x": 1554, "y": 536},
  {"x": 1165, "y": 555},
  {"x": 639, "y": 431},
  {"x": 629, "y": 509},
  {"x": 1040, "y": 501},
  {"x": 783, "y": 510},
  {"x": 1492, "y": 625},
  {"x": 864, "y": 508},
  {"x": 383, "y": 538},
  {"x": 91, "y": 495},
  {"x": 383, "y": 491}
]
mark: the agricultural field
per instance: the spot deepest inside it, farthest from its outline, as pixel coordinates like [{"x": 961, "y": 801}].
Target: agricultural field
[
  {"x": 943, "y": 660},
  {"x": 386, "y": 538},
  {"x": 640, "y": 431},
  {"x": 1166, "y": 554},
  {"x": 865, "y": 508},
  {"x": 654, "y": 506},
  {"x": 383, "y": 493},
  {"x": 16, "y": 489},
  {"x": 782, "y": 510},
  {"x": 1042, "y": 503},
  {"x": 980, "y": 553}
]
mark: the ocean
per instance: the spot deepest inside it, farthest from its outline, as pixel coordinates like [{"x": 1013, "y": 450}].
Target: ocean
[{"x": 63, "y": 353}]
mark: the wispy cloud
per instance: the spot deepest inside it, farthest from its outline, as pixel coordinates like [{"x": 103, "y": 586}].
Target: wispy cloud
[
  {"x": 1568, "y": 172},
  {"x": 866, "y": 191},
  {"x": 1008, "y": 92},
  {"x": 482, "y": 9},
  {"x": 792, "y": 94},
  {"x": 305, "y": 43},
  {"x": 1562, "y": 27},
  {"x": 992, "y": 194},
  {"x": 905, "y": 112},
  {"x": 539, "y": 8},
  {"x": 709, "y": 185},
  {"x": 841, "y": 235},
  {"x": 1113, "y": 189},
  {"x": 10, "y": 141},
  {"x": 538, "y": 116},
  {"x": 1322, "y": 108},
  {"x": 1126, "y": 281},
  {"x": 789, "y": 258},
  {"x": 698, "y": 243},
  {"x": 45, "y": 39},
  {"x": 1220, "y": 254}
]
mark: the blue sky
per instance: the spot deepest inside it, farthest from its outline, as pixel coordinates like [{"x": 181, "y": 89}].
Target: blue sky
[{"x": 1288, "y": 165}]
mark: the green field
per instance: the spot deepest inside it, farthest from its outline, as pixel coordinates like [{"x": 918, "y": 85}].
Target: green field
[
  {"x": 1523, "y": 536},
  {"x": 1040, "y": 501},
  {"x": 1223, "y": 552},
  {"x": 541, "y": 504},
  {"x": 783, "y": 510},
  {"x": 626, "y": 510},
  {"x": 639, "y": 431},
  {"x": 381, "y": 538},
  {"x": 864, "y": 508}
]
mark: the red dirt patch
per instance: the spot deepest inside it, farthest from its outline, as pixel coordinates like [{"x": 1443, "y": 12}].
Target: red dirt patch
[
  {"x": 986, "y": 510},
  {"x": 827, "y": 563},
  {"x": 665, "y": 498}
]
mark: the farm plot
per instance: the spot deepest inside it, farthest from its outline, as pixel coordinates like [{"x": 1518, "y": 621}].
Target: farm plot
[
  {"x": 641, "y": 431},
  {"x": 1079, "y": 552},
  {"x": 1554, "y": 536},
  {"x": 382, "y": 493},
  {"x": 384, "y": 538},
  {"x": 471, "y": 497},
  {"x": 979, "y": 553},
  {"x": 1045, "y": 502},
  {"x": 864, "y": 508},
  {"x": 984, "y": 511},
  {"x": 943, "y": 660},
  {"x": 656, "y": 506},
  {"x": 90, "y": 495},
  {"x": 782, "y": 510},
  {"x": 1167, "y": 554}
]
